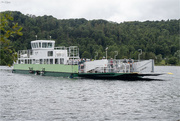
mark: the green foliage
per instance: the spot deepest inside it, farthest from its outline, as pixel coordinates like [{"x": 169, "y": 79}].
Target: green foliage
[
  {"x": 157, "y": 39},
  {"x": 86, "y": 54},
  {"x": 177, "y": 54},
  {"x": 173, "y": 60},
  {"x": 7, "y": 53},
  {"x": 158, "y": 58}
]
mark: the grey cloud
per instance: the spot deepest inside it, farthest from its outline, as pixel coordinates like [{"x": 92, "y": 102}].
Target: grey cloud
[{"x": 113, "y": 10}]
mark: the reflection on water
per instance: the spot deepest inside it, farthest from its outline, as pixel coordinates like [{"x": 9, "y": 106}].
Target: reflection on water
[{"x": 30, "y": 97}]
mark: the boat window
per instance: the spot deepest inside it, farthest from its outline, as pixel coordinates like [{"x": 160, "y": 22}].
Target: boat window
[
  {"x": 51, "y": 61},
  {"x": 30, "y": 61},
  {"x": 37, "y": 61},
  {"x": 41, "y": 61},
  {"x": 22, "y": 62},
  {"x": 36, "y": 45},
  {"x": 56, "y": 61},
  {"x": 44, "y": 45},
  {"x": 31, "y": 52},
  {"x": 49, "y": 45},
  {"x": 45, "y": 61},
  {"x": 39, "y": 44},
  {"x": 19, "y": 62},
  {"x": 50, "y": 53},
  {"x": 25, "y": 61},
  {"x": 61, "y": 60}
]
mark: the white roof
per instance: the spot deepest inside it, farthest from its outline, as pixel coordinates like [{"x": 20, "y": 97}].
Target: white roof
[{"x": 43, "y": 41}]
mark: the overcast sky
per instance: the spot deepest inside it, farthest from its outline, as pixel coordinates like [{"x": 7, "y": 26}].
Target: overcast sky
[{"x": 111, "y": 10}]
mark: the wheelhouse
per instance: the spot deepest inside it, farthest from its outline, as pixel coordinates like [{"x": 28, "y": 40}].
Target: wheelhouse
[{"x": 42, "y": 44}]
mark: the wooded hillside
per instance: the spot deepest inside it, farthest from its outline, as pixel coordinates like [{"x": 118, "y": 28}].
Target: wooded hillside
[{"x": 158, "y": 39}]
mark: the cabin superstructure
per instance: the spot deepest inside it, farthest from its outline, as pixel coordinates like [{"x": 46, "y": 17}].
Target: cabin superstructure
[
  {"x": 44, "y": 52},
  {"x": 46, "y": 59}
]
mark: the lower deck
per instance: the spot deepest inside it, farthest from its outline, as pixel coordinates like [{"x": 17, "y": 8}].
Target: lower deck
[{"x": 47, "y": 67}]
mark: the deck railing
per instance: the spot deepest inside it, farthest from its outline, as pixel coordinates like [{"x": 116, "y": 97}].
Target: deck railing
[{"x": 25, "y": 53}]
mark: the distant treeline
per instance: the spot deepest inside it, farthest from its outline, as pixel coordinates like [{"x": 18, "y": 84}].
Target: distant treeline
[{"x": 158, "y": 40}]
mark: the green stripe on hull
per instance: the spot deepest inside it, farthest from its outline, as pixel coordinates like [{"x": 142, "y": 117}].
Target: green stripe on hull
[
  {"x": 57, "y": 74},
  {"x": 21, "y": 71},
  {"x": 48, "y": 67}
]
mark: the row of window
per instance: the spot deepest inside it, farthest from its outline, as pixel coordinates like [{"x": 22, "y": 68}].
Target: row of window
[
  {"x": 44, "y": 45},
  {"x": 42, "y": 61}
]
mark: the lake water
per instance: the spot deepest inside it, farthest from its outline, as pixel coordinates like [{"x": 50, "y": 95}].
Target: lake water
[{"x": 40, "y": 98}]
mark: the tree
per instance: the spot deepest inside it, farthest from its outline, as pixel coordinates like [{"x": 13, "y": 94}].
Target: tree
[
  {"x": 86, "y": 55},
  {"x": 177, "y": 54},
  {"x": 7, "y": 52},
  {"x": 158, "y": 58},
  {"x": 153, "y": 37},
  {"x": 172, "y": 60}
]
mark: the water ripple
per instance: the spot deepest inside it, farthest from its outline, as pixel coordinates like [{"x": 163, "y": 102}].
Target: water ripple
[{"x": 30, "y": 97}]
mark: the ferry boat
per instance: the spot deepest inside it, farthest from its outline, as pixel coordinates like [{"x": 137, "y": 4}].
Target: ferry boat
[{"x": 47, "y": 60}]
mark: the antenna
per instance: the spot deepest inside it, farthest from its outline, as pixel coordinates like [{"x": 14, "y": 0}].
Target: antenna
[{"x": 50, "y": 37}]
